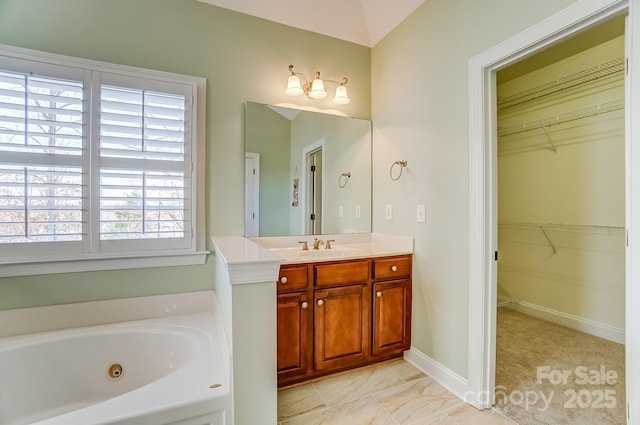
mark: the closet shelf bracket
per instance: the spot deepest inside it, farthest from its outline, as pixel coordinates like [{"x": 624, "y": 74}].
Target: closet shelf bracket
[
  {"x": 548, "y": 240},
  {"x": 553, "y": 147}
]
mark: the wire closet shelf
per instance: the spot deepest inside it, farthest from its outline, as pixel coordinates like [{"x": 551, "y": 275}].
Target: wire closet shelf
[
  {"x": 589, "y": 75},
  {"x": 547, "y": 122},
  {"x": 559, "y": 227},
  {"x": 545, "y": 228}
]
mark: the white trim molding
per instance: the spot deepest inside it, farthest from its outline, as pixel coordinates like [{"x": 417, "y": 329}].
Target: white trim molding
[
  {"x": 444, "y": 376},
  {"x": 570, "y": 321},
  {"x": 482, "y": 185},
  {"x": 101, "y": 264},
  {"x": 89, "y": 251},
  {"x": 632, "y": 109}
]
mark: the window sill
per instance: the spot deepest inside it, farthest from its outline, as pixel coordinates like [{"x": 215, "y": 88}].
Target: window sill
[{"x": 45, "y": 266}]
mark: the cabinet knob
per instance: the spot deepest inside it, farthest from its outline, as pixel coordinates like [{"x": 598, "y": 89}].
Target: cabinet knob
[
  {"x": 378, "y": 294},
  {"x": 283, "y": 280},
  {"x": 320, "y": 302},
  {"x": 305, "y": 304},
  {"x": 394, "y": 268}
]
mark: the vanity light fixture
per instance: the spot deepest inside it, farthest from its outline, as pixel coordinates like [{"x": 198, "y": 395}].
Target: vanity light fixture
[{"x": 315, "y": 89}]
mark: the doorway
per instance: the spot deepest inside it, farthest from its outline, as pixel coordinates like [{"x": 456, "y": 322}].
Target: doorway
[
  {"x": 252, "y": 194},
  {"x": 483, "y": 194},
  {"x": 314, "y": 178},
  {"x": 561, "y": 229}
]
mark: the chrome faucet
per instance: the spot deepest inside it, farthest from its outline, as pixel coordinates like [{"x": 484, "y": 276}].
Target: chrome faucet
[{"x": 317, "y": 242}]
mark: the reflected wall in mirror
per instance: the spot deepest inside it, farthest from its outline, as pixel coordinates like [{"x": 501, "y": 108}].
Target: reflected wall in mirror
[{"x": 312, "y": 172}]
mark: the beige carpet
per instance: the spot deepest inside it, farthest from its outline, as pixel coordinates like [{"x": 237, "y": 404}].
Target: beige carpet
[{"x": 582, "y": 377}]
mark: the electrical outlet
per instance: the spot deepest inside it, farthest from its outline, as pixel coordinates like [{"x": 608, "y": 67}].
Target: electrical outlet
[
  {"x": 420, "y": 213},
  {"x": 388, "y": 212}
]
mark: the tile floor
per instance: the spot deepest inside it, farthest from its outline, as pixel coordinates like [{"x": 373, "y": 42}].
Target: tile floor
[{"x": 390, "y": 393}]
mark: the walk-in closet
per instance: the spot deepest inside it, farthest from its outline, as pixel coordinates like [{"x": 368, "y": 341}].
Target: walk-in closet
[{"x": 561, "y": 218}]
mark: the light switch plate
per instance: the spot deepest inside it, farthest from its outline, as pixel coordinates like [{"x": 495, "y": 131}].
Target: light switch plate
[
  {"x": 421, "y": 213},
  {"x": 358, "y": 211},
  {"x": 388, "y": 212},
  {"x": 340, "y": 212}
]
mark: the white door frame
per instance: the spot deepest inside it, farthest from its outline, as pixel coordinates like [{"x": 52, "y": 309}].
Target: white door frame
[
  {"x": 483, "y": 190},
  {"x": 303, "y": 183},
  {"x": 252, "y": 194}
]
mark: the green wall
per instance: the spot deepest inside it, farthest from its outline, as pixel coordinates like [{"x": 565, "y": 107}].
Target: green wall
[
  {"x": 243, "y": 59},
  {"x": 420, "y": 111}
]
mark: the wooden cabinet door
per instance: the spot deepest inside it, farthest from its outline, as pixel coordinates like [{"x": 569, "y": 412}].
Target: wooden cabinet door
[
  {"x": 294, "y": 334},
  {"x": 391, "y": 317},
  {"x": 342, "y": 326}
]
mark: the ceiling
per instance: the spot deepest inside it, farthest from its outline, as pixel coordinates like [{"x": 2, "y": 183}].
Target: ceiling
[{"x": 363, "y": 22}]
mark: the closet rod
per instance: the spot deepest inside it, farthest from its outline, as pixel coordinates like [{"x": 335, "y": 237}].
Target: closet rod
[
  {"x": 559, "y": 227},
  {"x": 585, "y": 76},
  {"x": 547, "y": 122}
]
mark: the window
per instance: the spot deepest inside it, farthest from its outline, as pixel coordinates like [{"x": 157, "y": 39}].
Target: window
[{"x": 99, "y": 165}]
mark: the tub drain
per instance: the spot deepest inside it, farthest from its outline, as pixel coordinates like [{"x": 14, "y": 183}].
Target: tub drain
[{"x": 115, "y": 371}]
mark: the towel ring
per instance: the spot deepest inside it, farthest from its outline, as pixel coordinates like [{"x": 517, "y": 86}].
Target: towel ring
[
  {"x": 342, "y": 182},
  {"x": 402, "y": 164}
]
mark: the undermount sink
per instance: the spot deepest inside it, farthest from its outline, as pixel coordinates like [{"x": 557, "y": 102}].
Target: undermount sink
[
  {"x": 298, "y": 253},
  {"x": 324, "y": 253}
]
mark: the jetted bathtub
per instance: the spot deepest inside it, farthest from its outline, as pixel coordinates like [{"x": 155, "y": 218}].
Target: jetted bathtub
[{"x": 166, "y": 370}]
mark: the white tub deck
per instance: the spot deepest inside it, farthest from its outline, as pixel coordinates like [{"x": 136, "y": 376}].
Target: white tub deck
[{"x": 176, "y": 366}]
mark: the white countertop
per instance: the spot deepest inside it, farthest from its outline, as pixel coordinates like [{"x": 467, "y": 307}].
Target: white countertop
[
  {"x": 241, "y": 250},
  {"x": 343, "y": 247},
  {"x": 251, "y": 260},
  {"x": 246, "y": 261}
]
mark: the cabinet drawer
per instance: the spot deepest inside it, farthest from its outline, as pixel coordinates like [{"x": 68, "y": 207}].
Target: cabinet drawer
[
  {"x": 292, "y": 279},
  {"x": 341, "y": 273},
  {"x": 391, "y": 268}
]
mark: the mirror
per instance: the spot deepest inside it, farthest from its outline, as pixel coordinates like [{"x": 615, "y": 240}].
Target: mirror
[{"x": 306, "y": 172}]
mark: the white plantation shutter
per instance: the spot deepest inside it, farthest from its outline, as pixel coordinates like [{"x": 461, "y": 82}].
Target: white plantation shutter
[
  {"x": 97, "y": 162},
  {"x": 144, "y": 170},
  {"x": 40, "y": 159}
]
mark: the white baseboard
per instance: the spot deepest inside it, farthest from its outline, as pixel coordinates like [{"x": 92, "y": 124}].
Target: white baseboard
[
  {"x": 570, "y": 321},
  {"x": 458, "y": 385},
  {"x": 444, "y": 376}
]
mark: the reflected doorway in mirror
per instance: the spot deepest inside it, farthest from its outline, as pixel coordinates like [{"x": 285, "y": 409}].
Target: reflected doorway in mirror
[{"x": 252, "y": 194}]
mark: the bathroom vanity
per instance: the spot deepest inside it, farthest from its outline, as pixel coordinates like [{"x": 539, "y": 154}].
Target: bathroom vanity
[
  {"x": 346, "y": 278},
  {"x": 340, "y": 314}
]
